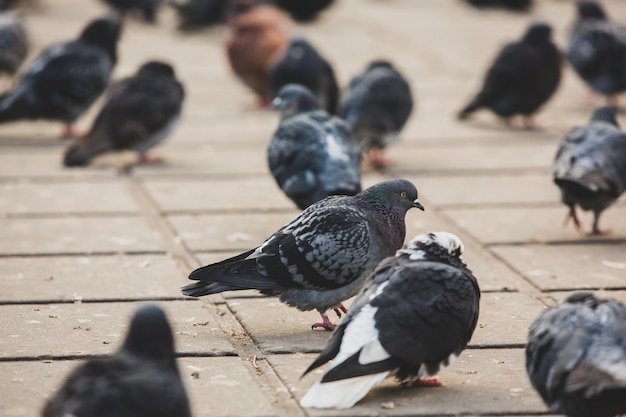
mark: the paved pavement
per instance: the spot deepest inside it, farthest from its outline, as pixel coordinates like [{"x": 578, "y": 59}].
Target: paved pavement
[{"x": 81, "y": 248}]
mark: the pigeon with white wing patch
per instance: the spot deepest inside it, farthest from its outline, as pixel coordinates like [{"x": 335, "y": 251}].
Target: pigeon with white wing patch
[{"x": 416, "y": 313}]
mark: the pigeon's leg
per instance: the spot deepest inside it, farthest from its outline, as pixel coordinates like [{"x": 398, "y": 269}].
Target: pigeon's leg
[
  {"x": 147, "y": 158},
  {"x": 571, "y": 214},
  {"x": 376, "y": 157},
  {"x": 326, "y": 323},
  {"x": 529, "y": 122},
  {"x": 422, "y": 382},
  {"x": 339, "y": 309},
  {"x": 70, "y": 132},
  {"x": 612, "y": 101},
  {"x": 595, "y": 229}
]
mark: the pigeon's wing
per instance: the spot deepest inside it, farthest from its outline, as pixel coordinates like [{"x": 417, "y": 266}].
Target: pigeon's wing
[
  {"x": 342, "y": 171},
  {"x": 612, "y": 159}
]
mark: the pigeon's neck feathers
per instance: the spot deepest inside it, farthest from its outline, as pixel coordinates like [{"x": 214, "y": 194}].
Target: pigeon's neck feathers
[
  {"x": 605, "y": 114},
  {"x": 388, "y": 218}
]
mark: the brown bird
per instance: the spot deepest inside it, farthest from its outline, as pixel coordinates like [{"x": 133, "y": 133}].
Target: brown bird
[{"x": 258, "y": 34}]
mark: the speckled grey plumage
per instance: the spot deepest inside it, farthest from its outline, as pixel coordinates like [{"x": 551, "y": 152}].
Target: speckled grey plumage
[
  {"x": 418, "y": 309},
  {"x": 311, "y": 154},
  {"x": 590, "y": 165},
  {"x": 321, "y": 257},
  {"x": 13, "y": 43},
  {"x": 576, "y": 357},
  {"x": 140, "y": 380},
  {"x": 597, "y": 49},
  {"x": 139, "y": 113},
  {"x": 377, "y": 105}
]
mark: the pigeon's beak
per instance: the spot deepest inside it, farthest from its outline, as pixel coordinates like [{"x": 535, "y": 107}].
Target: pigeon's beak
[{"x": 418, "y": 205}]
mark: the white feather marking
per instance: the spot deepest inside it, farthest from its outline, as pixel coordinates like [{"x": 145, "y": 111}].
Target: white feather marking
[
  {"x": 334, "y": 150},
  {"x": 341, "y": 394}
]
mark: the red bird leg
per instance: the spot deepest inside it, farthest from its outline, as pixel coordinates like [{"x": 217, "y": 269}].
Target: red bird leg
[
  {"x": 339, "y": 309},
  {"x": 148, "y": 158},
  {"x": 422, "y": 382},
  {"x": 595, "y": 229},
  {"x": 377, "y": 158},
  {"x": 571, "y": 214},
  {"x": 69, "y": 132},
  {"x": 326, "y": 323}
]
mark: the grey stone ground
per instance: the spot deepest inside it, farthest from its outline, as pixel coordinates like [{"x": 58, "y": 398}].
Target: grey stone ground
[{"x": 79, "y": 249}]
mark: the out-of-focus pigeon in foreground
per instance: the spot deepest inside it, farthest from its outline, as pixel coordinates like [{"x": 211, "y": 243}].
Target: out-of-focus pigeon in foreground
[
  {"x": 376, "y": 106},
  {"x": 139, "y": 113},
  {"x": 523, "y": 77},
  {"x": 576, "y": 357},
  {"x": 66, "y": 78},
  {"x": 417, "y": 312},
  {"x": 590, "y": 166},
  {"x": 597, "y": 50},
  {"x": 301, "y": 64},
  {"x": 140, "y": 380},
  {"x": 147, "y": 8},
  {"x": 312, "y": 155},
  {"x": 13, "y": 43},
  {"x": 322, "y": 257},
  {"x": 257, "y": 36}
]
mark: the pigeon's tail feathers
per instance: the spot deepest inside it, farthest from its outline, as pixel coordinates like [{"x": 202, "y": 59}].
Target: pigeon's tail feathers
[
  {"x": 200, "y": 288},
  {"x": 13, "y": 107},
  {"x": 341, "y": 394},
  {"x": 84, "y": 150},
  {"x": 582, "y": 172},
  {"x": 474, "y": 105}
]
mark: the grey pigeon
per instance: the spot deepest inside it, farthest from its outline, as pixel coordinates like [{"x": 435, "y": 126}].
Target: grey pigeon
[
  {"x": 66, "y": 78},
  {"x": 523, "y": 76},
  {"x": 302, "y": 64},
  {"x": 590, "y": 166},
  {"x": 576, "y": 357},
  {"x": 417, "y": 312},
  {"x": 13, "y": 43},
  {"x": 139, "y": 113},
  {"x": 312, "y": 155},
  {"x": 597, "y": 50},
  {"x": 376, "y": 106},
  {"x": 140, "y": 380},
  {"x": 321, "y": 257}
]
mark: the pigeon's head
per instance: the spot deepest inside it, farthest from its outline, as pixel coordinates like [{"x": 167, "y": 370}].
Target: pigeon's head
[
  {"x": 298, "y": 48},
  {"x": 293, "y": 99},
  {"x": 538, "y": 34},
  {"x": 103, "y": 32},
  {"x": 156, "y": 68},
  {"x": 590, "y": 10},
  {"x": 433, "y": 245},
  {"x": 605, "y": 114},
  {"x": 379, "y": 63},
  {"x": 398, "y": 194},
  {"x": 150, "y": 336}
]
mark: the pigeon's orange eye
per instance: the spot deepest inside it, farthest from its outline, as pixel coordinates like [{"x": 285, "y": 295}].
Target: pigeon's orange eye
[{"x": 403, "y": 194}]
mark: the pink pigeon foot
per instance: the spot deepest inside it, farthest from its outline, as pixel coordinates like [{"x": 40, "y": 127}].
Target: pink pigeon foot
[
  {"x": 70, "y": 132},
  {"x": 376, "y": 157},
  {"x": 571, "y": 214},
  {"x": 423, "y": 382},
  {"x": 325, "y": 324},
  {"x": 148, "y": 159},
  {"x": 339, "y": 309}
]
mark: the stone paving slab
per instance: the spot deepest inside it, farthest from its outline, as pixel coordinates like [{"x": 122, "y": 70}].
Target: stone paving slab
[
  {"x": 57, "y": 330},
  {"x": 71, "y": 278},
  {"x": 218, "y": 390},
  {"x": 81, "y": 235},
  {"x": 485, "y": 381},
  {"x": 62, "y": 198},
  {"x": 278, "y": 328},
  {"x": 569, "y": 267},
  {"x": 495, "y": 226},
  {"x": 29, "y": 163}
]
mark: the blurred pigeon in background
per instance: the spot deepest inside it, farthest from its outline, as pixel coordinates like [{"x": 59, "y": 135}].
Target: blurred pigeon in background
[
  {"x": 195, "y": 14},
  {"x": 514, "y": 5},
  {"x": 66, "y": 78},
  {"x": 417, "y": 312},
  {"x": 139, "y": 113},
  {"x": 258, "y": 35},
  {"x": 322, "y": 257},
  {"x": 523, "y": 77},
  {"x": 303, "y": 11},
  {"x": 376, "y": 106},
  {"x": 140, "y": 380},
  {"x": 597, "y": 51},
  {"x": 146, "y": 8},
  {"x": 302, "y": 64},
  {"x": 576, "y": 357},
  {"x": 312, "y": 155},
  {"x": 13, "y": 43},
  {"x": 590, "y": 166}
]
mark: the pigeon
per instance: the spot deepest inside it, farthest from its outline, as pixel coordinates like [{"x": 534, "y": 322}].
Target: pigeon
[
  {"x": 140, "y": 380},
  {"x": 303, "y": 11},
  {"x": 513, "y": 5},
  {"x": 147, "y": 8},
  {"x": 597, "y": 51},
  {"x": 13, "y": 43},
  {"x": 312, "y": 155},
  {"x": 523, "y": 77},
  {"x": 195, "y": 14},
  {"x": 590, "y": 166},
  {"x": 376, "y": 106},
  {"x": 416, "y": 313},
  {"x": 576, "y": 357},
  {"x": 258, "y": 35},
  {"x": 301, "y": 64},
  {"x": 321, "y": 257},
  {"x": 66, "y": 78},
  {"x": 139, "y": 113}
]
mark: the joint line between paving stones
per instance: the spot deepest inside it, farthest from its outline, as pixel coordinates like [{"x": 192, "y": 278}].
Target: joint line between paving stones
[{"x": 250, "y": 354}]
